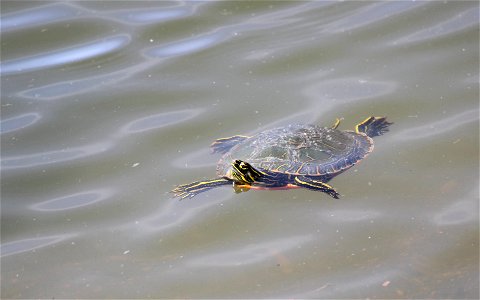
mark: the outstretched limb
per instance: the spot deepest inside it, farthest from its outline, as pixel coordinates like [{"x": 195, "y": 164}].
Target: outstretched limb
[
  {"x": 316, "y": 185},
  {"x": 189, "y": 190},
  {"x": 373, "y": 126},
  {"x": 225, "y": 144},
  {"x": 337, "y": 122}
]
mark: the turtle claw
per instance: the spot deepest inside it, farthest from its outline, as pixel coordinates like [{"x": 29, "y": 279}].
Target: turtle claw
[
  {"x": 183, "y": 195},
  {"x": 334, "y": 194},
  {"x": 183, "y": 191}
]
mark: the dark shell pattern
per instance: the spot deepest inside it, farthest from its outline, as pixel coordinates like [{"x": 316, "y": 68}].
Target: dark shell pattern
[{"x": 300, "y": 149}]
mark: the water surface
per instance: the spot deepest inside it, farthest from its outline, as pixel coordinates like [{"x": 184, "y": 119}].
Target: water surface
[{"x": 105, "y": 106}]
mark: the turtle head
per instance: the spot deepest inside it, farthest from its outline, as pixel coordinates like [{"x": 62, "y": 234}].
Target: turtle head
[{"x": 243, "y": 173}]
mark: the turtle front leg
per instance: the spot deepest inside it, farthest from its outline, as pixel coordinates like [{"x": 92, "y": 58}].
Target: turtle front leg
[
  {"x": 316, "y": 185},
  {"x": 189, "y": 190},
  {"x": 337, "y": 122}
]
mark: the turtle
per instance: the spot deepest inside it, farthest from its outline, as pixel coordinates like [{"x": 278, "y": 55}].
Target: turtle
[{"x": 293, "y": 156}]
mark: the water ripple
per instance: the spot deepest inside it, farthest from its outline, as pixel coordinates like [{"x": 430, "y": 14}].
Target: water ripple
[
  {"x": 176, "y": 213},
  {"x": 328, "y": 94},
  {"x": 52, "y": 157},
  {"x": 72, "y": 153},
  {"x": 160, "y": 120},
  {"x": 199, "y": 159},
  {"x": 65, "y": 56},
  {"x": 73, "y": 201},
  {"x": 187, "y": 46},
  {"x": 349, "y": 89},
  {"x": 250, "y": 254},
  {"x": 461, "y": 212},
  {"x": 344, "y": 216},
  {"x": 31, "y": 244},
  {"x": 459, "y": 22},
  {"x": 439, "y": 127},
  {"x": 59, "y": 90},
  {"x": 37, "y": 16},
  {"x": 372, "y": 14},
  {"x": 152, "y": 16},
  {"x": 18, "y": 122}
]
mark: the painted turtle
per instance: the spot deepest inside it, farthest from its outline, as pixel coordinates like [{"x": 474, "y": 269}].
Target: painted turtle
[{"x": 293, "y": 156}]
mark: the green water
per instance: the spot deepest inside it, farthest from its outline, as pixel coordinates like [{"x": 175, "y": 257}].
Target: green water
[{"x": 105, "y": 106}]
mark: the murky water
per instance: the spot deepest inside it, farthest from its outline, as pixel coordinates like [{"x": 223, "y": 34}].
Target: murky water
[{"x": 107, "y": 105}]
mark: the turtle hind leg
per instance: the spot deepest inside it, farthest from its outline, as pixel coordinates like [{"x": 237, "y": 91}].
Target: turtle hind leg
[
  {"x": 225, "y": 144},
  {"x": 189, "y": 190},
  {"x": 337, "y": 122},
  {"x": 373, "y": 126},
  {"x": 316, "y": 185}
]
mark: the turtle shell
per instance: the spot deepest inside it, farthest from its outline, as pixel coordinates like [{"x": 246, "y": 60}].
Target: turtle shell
[{"x": 300, "y": 150}]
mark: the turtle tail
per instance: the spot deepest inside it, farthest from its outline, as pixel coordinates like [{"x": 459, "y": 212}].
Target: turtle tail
[{"x": 373, "y": 126}]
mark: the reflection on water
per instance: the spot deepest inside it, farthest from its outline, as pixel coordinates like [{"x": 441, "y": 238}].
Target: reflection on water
[
  {"x": 65, "y": 56},
  {"x": 460, "y": 212},
  {"x": 345, "y": 216},
  {"x": 32, "y": 244},
  {"x": 52, "y": 157},
  {"x": 37, "y": 16},
  {"x": 373, "y": 14},
  {"x": 455, "y": 23},
  {"x": 187, "y": 46},
  {"x": 173, "y": 215},
  {"x": 62, "y": 89},
  {"x": 108, "y": 105},
  {"x": 72, "y": 201},
  {"x": 19, "y": 122},
  {"x": 140, "y": 16},
  {"x": 251, "y": 254},
  {"x": 446, "y": 124},
  {"x": 160, "y": 120}
]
